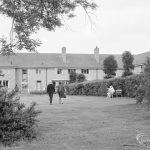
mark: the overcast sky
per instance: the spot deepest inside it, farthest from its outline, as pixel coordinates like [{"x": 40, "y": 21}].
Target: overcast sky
[{"x": 119, "y": 25}]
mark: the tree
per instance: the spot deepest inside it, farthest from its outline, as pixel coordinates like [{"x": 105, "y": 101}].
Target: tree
[
  {"x": 147, "y": 79},
  {"x": 28, "y": 16},
  {"x": 127, "y": 59},
  {"x": 72, "y": 77},
  {"x": 76, "y": 77},
  {"x": 110, "y": 66},
  {"x": 80, "y": 77},
  {"x": 16, "y": 121}
]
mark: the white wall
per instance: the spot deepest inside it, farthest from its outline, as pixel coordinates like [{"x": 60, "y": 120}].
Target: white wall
[
  {"x": 138, "y": 69},
  {"x": 119, "y": 73},
  {"x": 52, "y": 74},
  {"x": 101, "y": 74},
  {"x": 9, "y": 74},
  {"x": 33, "y": 77},
  {"x": 18, "y": 74},
  {"x": 91, "y": 75}
]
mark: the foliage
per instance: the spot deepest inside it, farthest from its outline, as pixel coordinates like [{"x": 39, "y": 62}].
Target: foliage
[
  {"x": 76, "y": 77},
  {"x": 127, "y": 59},
  {"x": 129, "y": 86},
  {"x": 126, "y": 73},
  {"x": 147, "y": 78},
  {"x": 80, "y": 77},
  {"x": 140, "y": 94},
  {"x": 72, "y": 77},
  {"x": 16, "y": 121},
  {"x": 110, "y": 66},
  {"x": 29, "y": 16},
  {"x": 109, "y": 76}
]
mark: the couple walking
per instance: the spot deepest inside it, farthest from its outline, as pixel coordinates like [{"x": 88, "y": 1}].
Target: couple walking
[{"x": 60, "y": 91}]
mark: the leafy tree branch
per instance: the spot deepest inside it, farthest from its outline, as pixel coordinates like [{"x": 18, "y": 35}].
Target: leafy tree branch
[{"x": 29, "y": 16}]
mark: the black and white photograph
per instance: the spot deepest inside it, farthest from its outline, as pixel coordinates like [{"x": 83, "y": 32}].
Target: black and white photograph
[{"x": 74, "y": 74}]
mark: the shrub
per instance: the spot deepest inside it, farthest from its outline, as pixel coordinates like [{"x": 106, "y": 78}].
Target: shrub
[
  {"x": 140, "y": 94},
  {"x": 72, "y": 77},
  {"x": 108, "y": 76},
  {"x": 129, "y": 86},
  {"x": 147, "y": 78},
  {"x": 126, "y": 73},
  {"x": 80, "y": 77},
  {"x": 76, "y": 77},
  {"x": 16, "y": 121}
]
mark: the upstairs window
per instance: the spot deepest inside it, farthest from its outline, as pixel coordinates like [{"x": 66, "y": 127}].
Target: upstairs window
[
  {"x": 59, "y": 71},
  {"x": 24, "y": 71},
  {"x": 38, "y": 71},
  {"x": 85, "y": 71},
  {"x": 71, "y": 70}
]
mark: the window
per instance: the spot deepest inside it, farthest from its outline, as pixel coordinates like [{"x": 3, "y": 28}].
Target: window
[
  {"x": 5, "y": 83},
  {"x": 38, "y": 71},
  {"x": 85, "y": 71},
  {"x": 1, "y": 73},
  {"x": 24, "y": 71},
  {"x": 59, "y": 71},
  {"x": 71, "y": 70},
  {"x": 24, "y": 75},
  {"x": 38, "y": 85}
]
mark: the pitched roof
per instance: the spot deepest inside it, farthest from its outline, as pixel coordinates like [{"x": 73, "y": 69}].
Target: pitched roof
[
  {"x": 141, "y": 58},
  {"x": 31, "y": 60},
  {"x": 81, "y": 61},
  {"x": 54, "y": 60}
]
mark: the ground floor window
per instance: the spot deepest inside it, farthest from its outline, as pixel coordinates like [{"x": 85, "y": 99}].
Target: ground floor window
[
  {"x": 59, "y": 71},
  {"x": 4, "y": 83},
  {"x": 38, "y": 85}
]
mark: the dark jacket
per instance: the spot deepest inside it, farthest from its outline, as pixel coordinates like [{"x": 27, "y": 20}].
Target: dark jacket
[{"x": 50, "y": 88}]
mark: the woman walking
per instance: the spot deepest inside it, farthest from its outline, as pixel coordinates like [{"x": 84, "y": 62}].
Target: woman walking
[{"x": 61, "y": 92}]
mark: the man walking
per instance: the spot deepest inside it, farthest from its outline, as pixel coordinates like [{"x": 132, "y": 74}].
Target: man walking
[{"x": 50, "y": 91}]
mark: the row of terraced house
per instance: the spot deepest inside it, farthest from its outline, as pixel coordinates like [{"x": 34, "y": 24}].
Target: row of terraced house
[{"x": 33, "y": 71}]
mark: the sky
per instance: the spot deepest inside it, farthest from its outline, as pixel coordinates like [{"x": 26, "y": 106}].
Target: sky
[{"x": 117, "y": 26}]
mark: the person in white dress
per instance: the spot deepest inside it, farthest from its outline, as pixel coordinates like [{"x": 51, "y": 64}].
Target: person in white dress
[{"x": 110, "y": 92}]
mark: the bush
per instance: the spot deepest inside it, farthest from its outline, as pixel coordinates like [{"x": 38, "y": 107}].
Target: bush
[
  {"x": 80, "y": 77},
  {"x": 129, "y": 86},
  {"x": 76, "y": 77},
  {"x": 140, "y": 94},
  {"x": 109, "y": 76},
  {"x": 38, "y": 92},
  {"x": 16, "y": 121},
  {"x": 147, "y": 78},
  {"x": 72, "y": 77}
]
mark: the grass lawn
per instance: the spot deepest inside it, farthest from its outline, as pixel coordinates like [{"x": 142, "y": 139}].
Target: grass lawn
[{"x": 87, "y": 123}]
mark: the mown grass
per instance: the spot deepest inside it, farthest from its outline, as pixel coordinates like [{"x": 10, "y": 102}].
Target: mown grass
[{"x": 87, "y": 123}]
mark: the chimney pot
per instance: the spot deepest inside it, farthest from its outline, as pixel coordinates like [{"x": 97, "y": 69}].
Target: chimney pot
[
  {"x": 64, "y": 54},
  {"x": 96, "y": 53}
]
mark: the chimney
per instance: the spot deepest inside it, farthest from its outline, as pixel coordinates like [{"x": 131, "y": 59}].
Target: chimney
[
  {"x": 96, "y": 53},
  {"x": 64, "y": 54}
]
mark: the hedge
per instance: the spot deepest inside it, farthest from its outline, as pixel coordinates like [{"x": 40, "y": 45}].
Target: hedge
[{"x": 129, "y": 86}]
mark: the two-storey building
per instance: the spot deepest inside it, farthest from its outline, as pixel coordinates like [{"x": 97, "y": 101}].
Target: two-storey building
[{"x": 33, "y": 71}]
